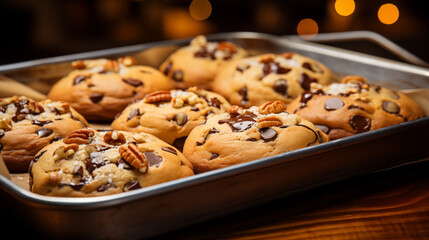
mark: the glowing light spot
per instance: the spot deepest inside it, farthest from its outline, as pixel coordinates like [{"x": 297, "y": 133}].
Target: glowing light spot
[
  {"x": 307, "y": 28},
  {"x": 388, "y": 13},
  {"x": 200, "y": 9},
  {"x": 345, "y": 7}
]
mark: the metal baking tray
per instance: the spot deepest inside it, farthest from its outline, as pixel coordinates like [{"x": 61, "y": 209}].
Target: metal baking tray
[{"x": 169, "y": 206}]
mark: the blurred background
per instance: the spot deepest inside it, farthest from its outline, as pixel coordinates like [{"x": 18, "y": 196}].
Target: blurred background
[{"x": 46, "y": 28}]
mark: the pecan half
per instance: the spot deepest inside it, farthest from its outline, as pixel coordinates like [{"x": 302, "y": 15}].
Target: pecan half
[
  {"x": 65, "y": 151},
  {"x": 114, "y": 138},
  {"x": 133, "y": 156},
  {"x": 270, "y": 121},
  {"x": 80, "y": 136},
  {"x": 158, "y": 96},
  {"x": 272, "y": 107}
]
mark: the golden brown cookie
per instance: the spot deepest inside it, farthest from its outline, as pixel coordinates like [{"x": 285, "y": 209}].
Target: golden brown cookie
[
  {"x": 255, "y": 80},
  {"x": 101, "y": 88},
  {"x": 243, "y": 135},
  {"x": 354, "y": 106},
  {"x": 171, "y": 115},
  {"x": 26, "y": 126},
  {"x": 198, "y": 63},
  {"x": 94, "y": 163}
]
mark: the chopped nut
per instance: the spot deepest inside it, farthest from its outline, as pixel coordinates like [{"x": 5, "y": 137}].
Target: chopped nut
[
  {"x": 5, "y": 123},
  {"x": 111, "y": 66},
  {"x": 65, "y": 151},
  {"x": 234, "y": 110},
  {"x": 133, "y": 156},
  {"x": 140, "y": 138},
  {"x": 78, "y": 64},
  {"x": 80, "y": 136},
  {"x": 272, "y": 107},
  {"x": 354, "y": 79},
  {"x": 177, "y": 102},
  {"x": 127, "y": 61},
  {"x": 114, "y": 138},
  {"x": 158, "y": 96},
  {"x": 198, "y": 91},
  {"x": 270, "y": 121}
]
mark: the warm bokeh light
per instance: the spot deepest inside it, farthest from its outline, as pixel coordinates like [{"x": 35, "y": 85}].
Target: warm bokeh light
[
  {"x": 388, "y": 13},
  {"x": 200, "y": 9},
  {"x": 307, "y": 28},
  {"x": 177, "y": 23},
  {"x": 345, "y": 7}
]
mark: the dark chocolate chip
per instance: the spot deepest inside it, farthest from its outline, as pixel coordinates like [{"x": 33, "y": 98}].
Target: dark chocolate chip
[
  {"x": 74, "y": 186},
  {"x": 179, "y": 142},
  {"x": 131, "y": 185},
  {"x": 272, "y": 67},
  {"x": 242, "y": 69},
  {"x": 333, "y": 103},
  {"x": 251, "y": 139},
  {"x": 123, "y": 164},
  {"x": 243, "y": 93},
  {"x": 78, "y": 170},
  {"x": 308, "y": 66},
  {"x": 213, "y": 156},
  {"x": 44, "y": 132},
  {"x": 40, "y": 123},
  {"x": 360, "y": 124},
  {"x": 323, "y": 128},
  {"x": 240, "y": 123},
  {"x": 92, "y": 165},
  {"x": 178, "y": 76},
  {"x": 390, "y": 107},
  {"x": 132, "y": 81},
  {"x": 280, "y": 86},
  {"x": 215, "y": 102},
  {"x": 56, "y": 138},
  {"x": 170, "y": 150},
  {"x": 78, "y": 79},
  {"x": 153, "y": 160},
  {"x": 36, "y": 158},
  {"x": 168, "y": 68},
  {"x": 180, "y": 119},
  {"x": 96, "y": 97},
  {"x": 104, "y": 187},
  {"x": 306, "y": 81},
  {"x": 268, "y": 134},
  {"x": 195, "y": 109}
]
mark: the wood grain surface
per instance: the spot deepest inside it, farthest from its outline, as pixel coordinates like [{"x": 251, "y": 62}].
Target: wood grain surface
[{"x": 392, "y": 204}]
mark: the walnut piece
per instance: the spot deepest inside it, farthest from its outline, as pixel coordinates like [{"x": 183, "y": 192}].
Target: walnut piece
[
  {"x": 133, "y": 156},
  {"x": 272, "y": 107}
]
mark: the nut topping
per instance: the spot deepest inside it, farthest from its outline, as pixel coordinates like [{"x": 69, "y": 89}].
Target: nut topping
[
  {"x": 270, "y": 121},
  {"x": 114, "y": 138},
  {"x": 234, "y": 110},
  {"x": 127, "y": 61},
  {"x": 65, "y": 151},
  {"x": 80, "y": 136},
  {"x": 133, "y": 156},
  {"x": 158, "y": 96},
  {"x": 354, "y": 79},
  {"x": 272, "y": 107}
]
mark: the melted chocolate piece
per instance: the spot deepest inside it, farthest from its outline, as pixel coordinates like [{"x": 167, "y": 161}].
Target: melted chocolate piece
[
  {"x": 179, "y": 142},
  {"x": 242, "y": 69},
  {"x": 195, "y": 109},
  {"x": 305, "y": 97},
  {"x": 180, "y": 119},
  {"x": 390, "y": 107},
  {"x": 91, "y": 165},
  {"x": 56, "y": 138},
  {"x": 213, "y": 156},
  {"x": 268, "y": 134},
  {"x": 44, "y": 132},
  {"x": 214, "y": 102},
  {"x": 333, "y": 103},
  {"x": 243, "y": 93},
  {"x": 104, "y": 187},
  {"x": 212, "y": 130},
  {"x": 251, "y": 139},
  {"x": 323, "y": 128},
  {"x": 168, "y": 68},
  {"x": 153, "y": 160},
  {"x": 78, "y": 79},
  {"x": 36, "y": 158},
  {"x": 78, "y": 171},
  {"x": 121, "y": 163},
  {"x": 308, "y": 66},
  {"x": 270, "y": 66},
  {"x": 240, "y": 123},
  {"x": 40, "y": 123},
  {"x": 306, "y": 81},
  {"x": 280, "y": 86},
  {"x": 21, "y": 110},
  {"x": 75, "y": 186},
  {"x": 96, "y": 97},
  {"x": 360, "y": 124},
  {"x": 170, "y": 150},
  {"x": 178, "y": 76},
  {"x": 131, "y": 185},
  {"x": 204, "y": 53},
  {"x": 132, "y": 81}
]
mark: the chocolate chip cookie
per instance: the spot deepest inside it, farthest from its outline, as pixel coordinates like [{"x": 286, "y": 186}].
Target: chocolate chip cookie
[
  {"x": 255, "y": 80},
  {"x": 243, "y": 135},
  {"x": 354, "y": 106},
  {"x": 95, "y": 163},
  {"x": 26, "y": 126},
  {"x": 101, "y": 88},
  {"x": 171, "y": 115},
  {"x": 198, "y": 63}
]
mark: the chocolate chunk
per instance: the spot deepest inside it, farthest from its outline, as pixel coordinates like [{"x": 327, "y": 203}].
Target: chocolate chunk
[
  {"x": 104, "y": 187},
  {"x": 251, "y": 139},
  {"x": 40, "y": 123},
  {"x": 96, "y": 97},
  {"x": 180, "y": 119},
  {"x": 170, "y": 150},
  {"x": 74, "y": 186},
  {"x": 153, "y": 160},
  {"x": 132, "y": 81},
  {"x": 204, "y": 53},
  {"x": 131, "y": 185},
  {"x": 268, "y": 134},
  {"x": 360, "y": 124},
  {"x": 91, "y": 165},
  {"x": 306, "y": 81},
  {"x": 270, "y": 66},
  {"x": 242, "y": 69},
  {"x": 1, "y": 146},
  {"x": 56, "y": 138},
  {"x": 243, "y": 93},
  {"x": 78, "y": 170},
  {"x": 390, "y": 107},
  {"x": 168, "y": 68},
  {"x": 307, "y": 65},
  {"x": 36, "y": 158},
  {"x": 214, "y": 102},
  {"x": 44, "y": 132},
  {"x": 323, "y": 128},
  {"x": 333, "y": 103},
  {"x": 178, "y": 76},
  {"x": 213, "y": 156},
  {"x": 305, "y": 97},
  {"x": 78, "y": 79},
  {"x": 280, "y": 86},
  {"x": 240, "y": 123},
  {"x": 122, "y": 164},
  {"x": 179, "y": 142},
  {"x": 195, "y": 109}
]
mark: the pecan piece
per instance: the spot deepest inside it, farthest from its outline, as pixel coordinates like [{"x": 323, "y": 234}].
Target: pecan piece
[
  {"x": 270, "y": 121},
  {"x": 272, "y": 107},
  {"x": 158, "y": 96},
  {"x": 133, "y": 156},
  {"x": 80, "y": 136},
  {"x": 233, "y": 110},
  {"x": 114, "y": 138}
]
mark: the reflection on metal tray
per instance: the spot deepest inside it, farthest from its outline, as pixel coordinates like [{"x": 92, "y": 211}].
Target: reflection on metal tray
[{"x": 157, "y": 209}]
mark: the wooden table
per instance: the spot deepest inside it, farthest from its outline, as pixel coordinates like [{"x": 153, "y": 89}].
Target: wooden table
[{"x": 393, "y": 204}]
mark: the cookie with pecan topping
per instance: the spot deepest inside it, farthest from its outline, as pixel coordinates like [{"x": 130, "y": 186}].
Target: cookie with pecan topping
[
  {"x": 354, "y": 106},
  {"x": 171, "y": 115},
  {"x": 242, "y": 135},
  {"x": 198, "y": 63},
  {"x": 92, "y": 162},
  {"x": 101, "y": 88},
  {"x": 253, "y": 81},
  {"x": 26, "y": 126}
]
